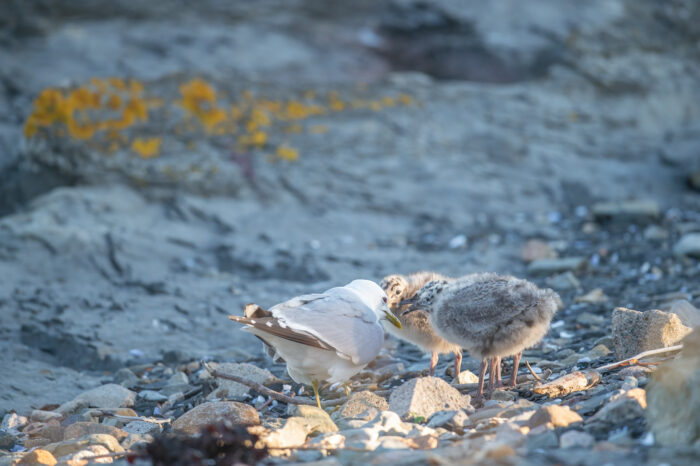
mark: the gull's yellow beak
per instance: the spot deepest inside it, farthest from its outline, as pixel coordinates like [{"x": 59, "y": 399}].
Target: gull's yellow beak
[{"x": 392, "y": 318}]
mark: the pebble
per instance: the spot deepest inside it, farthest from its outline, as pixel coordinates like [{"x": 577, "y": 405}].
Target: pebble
[
  {"x": 688, "y": 245},
  {"x": 551, "y": 266},
  {"x": 316, "y": 420},
  {"x": 467, "y": 377},
  {"x": 215, "y": 411},
  {"x": 68, "y": 447},
  {"x": 13, "y": 422},
  {"x": 126, "y": 378},
  {"x": 553, "y": 416},
  {"x": 80, "y": 429},
  {"x": 536, "y": 249},
  {"x": 38, "y": 456},
  {"x": 107, "y": 396},
  {"x": 141, "y": 428},
  {"x": 362, "y": 405},
  {"x": 452, "y": 420},
  {"x": 635, "y": 332},
  {"x": 421, "y": 397},
  {"x": 150, "y": 395},
  {"x": 626, "y": 211},
  {"x": 576, "y": 438}
]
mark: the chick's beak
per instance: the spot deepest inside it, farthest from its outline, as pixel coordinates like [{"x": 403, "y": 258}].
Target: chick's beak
[
  {"x": 392, "y": 318},
  {"x": 410, "y": 305}
]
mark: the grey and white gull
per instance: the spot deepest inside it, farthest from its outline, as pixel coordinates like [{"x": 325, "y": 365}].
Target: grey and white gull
[
  {"x": 327, "y": 336},
  {"x": 489, "y": 315},
  {"x": 416, "y": 327}
]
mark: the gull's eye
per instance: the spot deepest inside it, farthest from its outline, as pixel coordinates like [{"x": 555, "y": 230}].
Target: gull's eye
[{"x": 384, "y": 299}]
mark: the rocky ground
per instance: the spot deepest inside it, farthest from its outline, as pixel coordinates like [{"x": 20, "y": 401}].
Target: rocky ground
[{"x": 257, "y": 151}]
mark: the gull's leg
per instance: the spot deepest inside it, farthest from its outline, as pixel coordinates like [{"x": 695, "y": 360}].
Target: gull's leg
[
  {"x": 516, "y": 364},
  {"x": 458, "y": 363},
  {"x": 498, "y": 372},
  {"x": 433, "y": 363},
  {"x": 347, "y": 389},
  {"x": 482, "y": 374},
  {"x": 314, "y": 384},
  {"x": 492, "y": 375}
]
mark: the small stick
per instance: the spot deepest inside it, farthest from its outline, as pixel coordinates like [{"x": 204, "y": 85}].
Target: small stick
[
  {"x": 537, "y": 377},
  {"x": 269, "y": 392},
  {"x": 634, "y": 359}
]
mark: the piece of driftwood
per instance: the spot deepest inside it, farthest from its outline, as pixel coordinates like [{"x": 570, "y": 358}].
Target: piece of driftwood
[
  {"x": 583, "y": 380},
  {"x": 269, "y": 392},
  {"x": 574, "y": 382}
]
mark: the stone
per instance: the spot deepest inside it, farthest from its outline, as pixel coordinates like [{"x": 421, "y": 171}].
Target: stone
[
  {"x": 635, "y": 332},
  {"x": 626, "y": 211},
  {"x": 673, "y": 396},
  {"x": 7, "y": 440},
  {"x": 141, "y": 428},
  {"x": 541, "y": 439},
  {"x": 689, "y": 314},
  {"x": 551, "y": 266},
  {"x": 553, "y": 416},
  {"x": 85, "y": 456},
  {"x": 595, "y": 296},
  {"x": 108, "y": 396},
  {"x": 536, "y": 249},
  {"x": 215, "y": 411},
  {"x": 576, "y": 438},
  {"x": 13, "y": 422},
  {"x": 178, "y": 378},
  {"x": 233, "y": 390},
  {"x": 68, "y": 447},
  {"x": 362, "y": 405},
  {"x": 421, "y": 397},
  {"x": 151, "y": 395},
  {"x": 388, "y": 422},
  {"x": 694, "y": 180},
  {"x": 454, "y": 420},
  {"x": 133, "y": 441},
  {"x": 126, "y": 378},
  {"x": 623, "y": 408},
  {"x": 38, "y": 456},
  {"x": 292, "y": 433},
  {"x": 564, "y": 281},
  {"x": 44, "y": 416},
  {"x": 81, "y": 429},
  {"x": 364, "y": 438},
  {"x": 467, "y": 377},
  {"x": 317, "y": 421},
  {"x": 688, "y": 245}
]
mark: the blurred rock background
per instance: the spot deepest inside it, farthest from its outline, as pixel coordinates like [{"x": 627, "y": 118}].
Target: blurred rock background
[{"x": 258, "y": 150}]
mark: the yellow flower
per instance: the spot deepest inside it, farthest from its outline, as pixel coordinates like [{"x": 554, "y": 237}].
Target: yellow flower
[
  {"x": 287, "y": 153},
  {"x": 405, "y": 99},
  {"x": 146, "y": 148}
]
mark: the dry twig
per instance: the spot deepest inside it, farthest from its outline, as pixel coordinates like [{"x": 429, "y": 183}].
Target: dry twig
[{"x": 269, "y": 392}]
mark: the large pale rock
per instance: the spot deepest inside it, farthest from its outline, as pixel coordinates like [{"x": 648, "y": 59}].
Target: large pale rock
[
  {"x": 554, "y": 416},
  {"x": 688, "y": 245},
  {"x": 38, "y": 457},
  {"x": 362, "y": 405},
  {"x": 622, "y": 409},
  {"x": 635, "y": 332},
  {"x": 216, "y": 411},
  {"x": 673, "y": 396},
  {"x": 68, "y": 447},
  {"x": 233, "y": 390},
  {"x": 81, "y": 429},
  {"x": 424, "y": 396},
  {"x": 108, "y": 396}
]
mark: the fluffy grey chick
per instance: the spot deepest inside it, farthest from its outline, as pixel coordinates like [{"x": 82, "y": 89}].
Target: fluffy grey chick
[
  {"x": 489, "y": 315},
  {"x": 416, "y": 327}
]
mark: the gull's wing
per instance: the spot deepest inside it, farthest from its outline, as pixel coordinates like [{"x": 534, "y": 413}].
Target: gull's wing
[{"x": 336, "y": 320}]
